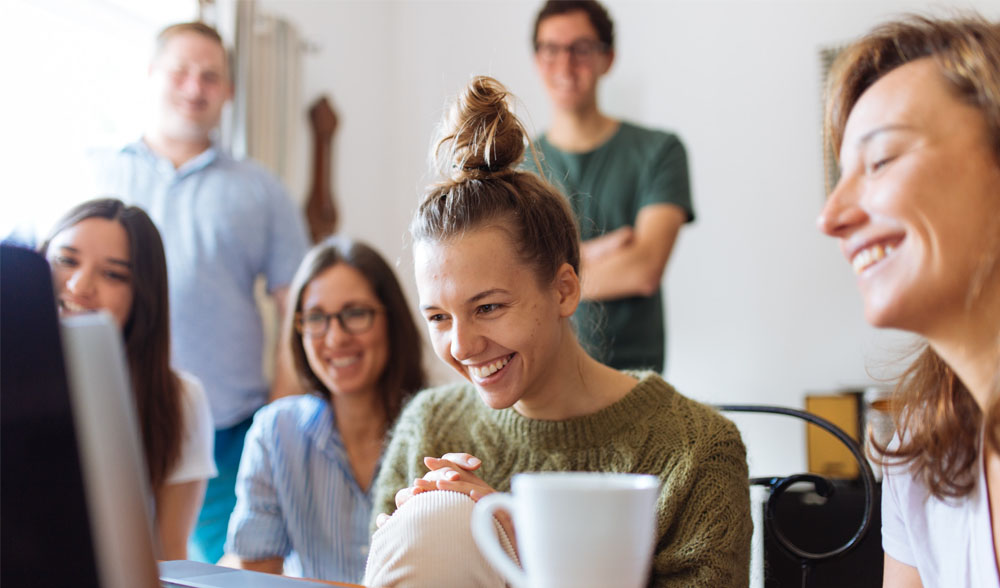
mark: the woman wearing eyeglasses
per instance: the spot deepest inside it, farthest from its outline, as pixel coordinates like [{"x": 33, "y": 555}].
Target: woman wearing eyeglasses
[
  {"x": 628, "y": 187},
  {"x": 303, "y": 491}
]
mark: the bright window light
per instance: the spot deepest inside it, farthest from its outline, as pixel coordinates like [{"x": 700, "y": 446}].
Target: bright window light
[{"x": 75, "y": 80}]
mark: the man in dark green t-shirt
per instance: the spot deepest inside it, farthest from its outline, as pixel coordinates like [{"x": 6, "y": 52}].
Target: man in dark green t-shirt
[{"x": 627, "y": 185}]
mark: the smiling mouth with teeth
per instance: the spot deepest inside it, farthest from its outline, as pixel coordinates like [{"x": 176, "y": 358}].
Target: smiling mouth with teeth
[
  {"x": 483, "y": 372},
  {"x": 73, "y": 307},
  {"x": 869, "y": 256},
  {"x": 339, "y": 362}
]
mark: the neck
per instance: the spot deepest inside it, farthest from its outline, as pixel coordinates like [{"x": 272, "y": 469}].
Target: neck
[
  {"x": 971, "y": 347},
  {"x": 178, "y": 151},
  {"x": 582, "y": 129},
  {"x": 577, "y": 385},
  {"x": 359, "y": 418}
]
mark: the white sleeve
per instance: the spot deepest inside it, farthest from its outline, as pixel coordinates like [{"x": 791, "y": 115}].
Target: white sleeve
[
  {"x": 895, "y": 539},
  {"x": 196, "y": 460}
]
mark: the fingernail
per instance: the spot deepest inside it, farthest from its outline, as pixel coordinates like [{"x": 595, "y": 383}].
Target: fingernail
[{"x": 474, "y": 461}]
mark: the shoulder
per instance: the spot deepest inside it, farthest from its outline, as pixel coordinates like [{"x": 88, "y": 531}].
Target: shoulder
[
  {"x": 248, "y": 172},
  {"x": 194, "y": 403},
  {"x": 653, "y": 143},
  {"x": 550, "y": 157},
  {"x": 703, "y": 426},
  {"x": 195, "y": 460},
  {"x": 109, "y": 163},
  {"x": 654, "y": 386},
  {"x": 298, "y": 412}
]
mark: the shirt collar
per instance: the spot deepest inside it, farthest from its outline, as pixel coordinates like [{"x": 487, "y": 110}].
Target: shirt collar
[
  {"x": 198, "y": 162},
  {"x": 319, "y": 427}
]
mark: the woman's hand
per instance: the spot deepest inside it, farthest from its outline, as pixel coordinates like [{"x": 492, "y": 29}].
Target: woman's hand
[{"x": 451, "y": 471}]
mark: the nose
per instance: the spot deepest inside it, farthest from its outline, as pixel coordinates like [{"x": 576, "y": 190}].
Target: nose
[
  {"x": 563, "y": 59},
  {"x": 335, "y": 333},
  {"x": 80, "y": 282},
  {"x": 191, "y": 84},
  {"x": 842, "y": 211},
  {"x": 465, "y": 341}
]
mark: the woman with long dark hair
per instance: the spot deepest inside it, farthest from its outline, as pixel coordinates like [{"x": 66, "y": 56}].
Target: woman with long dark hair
[
  {"x": 107, "y": 256},
  {"x": 304, "y": 490}
]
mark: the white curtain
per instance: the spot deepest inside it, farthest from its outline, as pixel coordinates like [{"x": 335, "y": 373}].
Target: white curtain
[
  {"x": 267, "y": 65},
  {"x": 273, "y": 98},
  {"x": 262, "y": 122}
]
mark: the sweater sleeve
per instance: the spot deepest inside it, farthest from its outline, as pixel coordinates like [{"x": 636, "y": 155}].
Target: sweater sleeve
[
  {"x": 403, "y": 460},
  {"x": 707, "y": 543}
]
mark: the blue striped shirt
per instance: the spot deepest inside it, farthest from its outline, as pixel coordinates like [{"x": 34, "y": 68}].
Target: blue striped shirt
[
  {"x": 224, "y": 223},
  {"x": 296, "y": 496}
]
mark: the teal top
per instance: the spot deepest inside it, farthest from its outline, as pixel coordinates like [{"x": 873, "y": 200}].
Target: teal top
[{"x": 607, "y": 187}]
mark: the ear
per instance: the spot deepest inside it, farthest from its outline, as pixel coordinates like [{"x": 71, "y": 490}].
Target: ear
[
  {"x": 567, "y": 288},
  {"x": 609, "y": 60}
]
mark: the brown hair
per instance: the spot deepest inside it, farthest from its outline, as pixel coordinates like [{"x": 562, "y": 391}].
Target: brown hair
[
  {"x": 482, "y": 145},
  {"x": 404, "y": 373},
  {"x": 938, "y": 418},
  {"x": 196, "y": 28},
  {"x": 155, "y": 386},
  {"x": 596, "y": 13}
]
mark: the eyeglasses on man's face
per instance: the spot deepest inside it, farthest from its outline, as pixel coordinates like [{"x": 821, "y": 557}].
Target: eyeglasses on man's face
[
  {"x": 354, "y": 320},
  {"x": 581, "y": 50}
]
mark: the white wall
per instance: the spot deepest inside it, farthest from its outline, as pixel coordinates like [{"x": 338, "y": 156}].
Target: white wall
[{"x": 762, "y": 308}]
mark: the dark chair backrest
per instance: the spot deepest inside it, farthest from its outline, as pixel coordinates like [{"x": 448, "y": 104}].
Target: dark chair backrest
[{"x": 777, "y": 485}]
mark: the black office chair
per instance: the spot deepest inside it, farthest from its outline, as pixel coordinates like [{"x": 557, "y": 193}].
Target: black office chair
[{"x": 777, "y": 485}]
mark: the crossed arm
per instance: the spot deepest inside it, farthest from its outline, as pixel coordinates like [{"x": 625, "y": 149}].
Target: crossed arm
[{"x": 631, "y": 261}]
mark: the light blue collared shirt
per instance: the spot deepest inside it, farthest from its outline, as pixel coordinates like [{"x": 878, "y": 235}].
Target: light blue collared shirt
[
  {"x": 224, "y": 223},
  {"x": 296, "y": 496}
]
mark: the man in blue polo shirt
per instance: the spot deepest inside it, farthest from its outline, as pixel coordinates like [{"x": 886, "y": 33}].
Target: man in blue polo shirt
[{"x": 224, "y": 223}]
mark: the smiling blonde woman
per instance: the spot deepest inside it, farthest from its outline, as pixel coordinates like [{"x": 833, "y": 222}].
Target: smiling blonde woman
[
  {"x": 914, "y": 113},
  {"x": 496, "y": 255}
]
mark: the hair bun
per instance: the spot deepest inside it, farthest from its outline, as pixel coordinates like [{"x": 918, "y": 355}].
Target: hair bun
[{"x": 481, "y": 136}]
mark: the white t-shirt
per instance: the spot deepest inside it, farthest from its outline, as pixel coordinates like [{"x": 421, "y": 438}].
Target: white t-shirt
[
  {"x": 197, "y": 458},
  {"x": 949, "y": 541}
]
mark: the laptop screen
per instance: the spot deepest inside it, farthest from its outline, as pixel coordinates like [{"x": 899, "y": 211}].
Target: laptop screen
[{"x": 75, "y": 499}]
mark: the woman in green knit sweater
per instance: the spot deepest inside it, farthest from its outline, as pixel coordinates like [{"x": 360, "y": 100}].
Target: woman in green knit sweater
[{"x": 496, "y": 254}]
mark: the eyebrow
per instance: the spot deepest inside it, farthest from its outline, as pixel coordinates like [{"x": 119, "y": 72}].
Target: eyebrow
[
  {"x": 358, "y": 303},
  {"x": 486, "y": 294},
  {"x": 473, "y": 299},
  {"x": 114, "y": 260},
  {"x": 883, "y": 129},
  {"x": 120, "y": 262}
]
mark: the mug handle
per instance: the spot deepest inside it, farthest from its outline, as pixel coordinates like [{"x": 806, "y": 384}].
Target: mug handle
[{"x": 485, "y": 535}]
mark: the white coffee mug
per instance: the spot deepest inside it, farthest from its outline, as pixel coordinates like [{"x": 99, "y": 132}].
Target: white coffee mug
[{"x": 574, "y": 529}]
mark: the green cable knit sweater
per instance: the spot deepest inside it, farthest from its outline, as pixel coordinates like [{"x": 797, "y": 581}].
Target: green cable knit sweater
[{"x": 703, "y": 513}]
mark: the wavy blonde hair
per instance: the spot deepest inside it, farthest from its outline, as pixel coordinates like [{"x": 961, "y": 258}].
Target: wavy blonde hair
[{"x": 938, "y": 419}]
